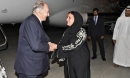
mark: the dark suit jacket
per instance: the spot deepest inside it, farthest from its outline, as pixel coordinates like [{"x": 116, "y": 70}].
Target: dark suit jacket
[
  {"x": 98, "y": 29},
  {"x": 32, "y": 57}
]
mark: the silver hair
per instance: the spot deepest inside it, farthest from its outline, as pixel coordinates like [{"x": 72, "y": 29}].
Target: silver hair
[{"x": 38, "y": 5}]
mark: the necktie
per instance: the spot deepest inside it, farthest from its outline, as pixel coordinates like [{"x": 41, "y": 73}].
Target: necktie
[{"x": 95, "y": 20}]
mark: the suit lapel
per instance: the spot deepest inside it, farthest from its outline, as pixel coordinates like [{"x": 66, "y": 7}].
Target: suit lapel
[
  {"x": 93, "y": 21},
  {"x": 98, "y": 20},
  {"x": 41, "y": 26}
]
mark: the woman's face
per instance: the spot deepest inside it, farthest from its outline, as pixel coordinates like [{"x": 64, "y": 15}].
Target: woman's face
[{"x": 70, "y": 19}]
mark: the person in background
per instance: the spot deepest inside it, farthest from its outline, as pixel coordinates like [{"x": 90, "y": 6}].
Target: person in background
[
  {"x": 96, "y": 32},
  {"x": 121, "y": 39}
]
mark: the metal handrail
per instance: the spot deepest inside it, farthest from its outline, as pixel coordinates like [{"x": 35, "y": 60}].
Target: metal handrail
[
  {"x": 1, "y": 64},
  {"x": 4, "y": 37}
]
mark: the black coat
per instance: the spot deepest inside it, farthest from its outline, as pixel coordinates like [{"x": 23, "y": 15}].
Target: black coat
[
  {"x": 32, "y": 57},
  {"x": 98, "y": 29},
  {"x": 73, "y": 47},
  {"x": 77, "y": 56}
]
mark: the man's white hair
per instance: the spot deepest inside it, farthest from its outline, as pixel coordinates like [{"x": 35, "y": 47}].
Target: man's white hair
[{"x": 38, "y": 5}]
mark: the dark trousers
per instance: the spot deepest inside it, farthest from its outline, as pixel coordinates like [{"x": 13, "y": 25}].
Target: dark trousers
[
  {"x": 101, "y": 46},
  {"x": 28, "y": 76}
]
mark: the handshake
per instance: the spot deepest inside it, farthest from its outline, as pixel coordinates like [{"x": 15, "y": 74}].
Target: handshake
[{"x": 52, "y": 46}]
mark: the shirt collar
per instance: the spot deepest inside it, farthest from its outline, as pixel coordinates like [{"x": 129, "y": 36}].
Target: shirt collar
[{"x": 96, "y": 16}]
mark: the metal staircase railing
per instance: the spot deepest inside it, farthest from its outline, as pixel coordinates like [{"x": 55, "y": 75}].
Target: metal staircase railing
[
  {"x": 4, "y": 37},
  {"x": 2, "y": 69}
]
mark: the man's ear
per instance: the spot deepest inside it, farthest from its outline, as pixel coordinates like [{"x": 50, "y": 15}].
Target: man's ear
[{"x": 40, "y": 11}]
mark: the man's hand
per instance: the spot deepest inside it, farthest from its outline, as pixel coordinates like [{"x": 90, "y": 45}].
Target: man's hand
[
  {"x": 102, "y": 37},
  {"x": 89, "y": 37},
  {"x": 114, "y": 41},
  {"x": 53, "y": 46}
]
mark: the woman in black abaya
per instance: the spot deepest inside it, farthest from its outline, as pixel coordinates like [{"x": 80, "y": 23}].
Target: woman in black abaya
[{"x": 73, "y": 47}]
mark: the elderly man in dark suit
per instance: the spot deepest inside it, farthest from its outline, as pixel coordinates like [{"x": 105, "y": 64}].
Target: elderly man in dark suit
[
  {"x": 33, "y": 45},
  {"x": 96, "y": 32}
]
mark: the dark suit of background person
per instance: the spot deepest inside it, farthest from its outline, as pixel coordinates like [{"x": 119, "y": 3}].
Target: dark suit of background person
[
  {"x": 32, "y": 58},
  {"x": 96, "y": 33}
]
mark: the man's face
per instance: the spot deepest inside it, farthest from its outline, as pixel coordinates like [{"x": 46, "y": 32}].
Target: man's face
[
  {"x": 44, "y": 13},
  {"x": 127, "y": 12},
  {"x": 95, "y": 13}
]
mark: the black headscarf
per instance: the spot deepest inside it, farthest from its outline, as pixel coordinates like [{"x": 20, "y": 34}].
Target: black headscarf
[
  {"x": 72, "y": 30},
  {"x": 69, "y": 34}
]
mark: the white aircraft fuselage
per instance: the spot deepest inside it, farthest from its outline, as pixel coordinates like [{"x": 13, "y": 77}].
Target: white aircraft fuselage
[{"x": 15, "y": 11}]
